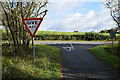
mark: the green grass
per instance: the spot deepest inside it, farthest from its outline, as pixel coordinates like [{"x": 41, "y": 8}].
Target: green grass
[
  {"x": 57, "y": 33},
  {"x": 46, "y": 65},
  {"x": 64, "y": 33},
  {"x": 105, "y": 53},
  {"x": 69, "y": 36},
  {"x": 61, "y": 33}
]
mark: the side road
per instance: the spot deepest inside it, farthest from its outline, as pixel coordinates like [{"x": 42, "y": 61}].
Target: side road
[
  {"x": 72, "y": 42},
  {"x": 79, "y": 62}
]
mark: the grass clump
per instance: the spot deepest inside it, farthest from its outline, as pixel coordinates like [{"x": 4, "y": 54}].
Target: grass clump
[
  {"x": 105, "y": 53},
  {"x": 21, "y": 65}
]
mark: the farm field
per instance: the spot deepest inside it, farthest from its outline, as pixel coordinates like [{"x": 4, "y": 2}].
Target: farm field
[
  {"x": 65, "y": 33},
  {"x": 71, "y": 36},
  {"x": 74, "y": 36},
  {"x": 61, "y": 33}
]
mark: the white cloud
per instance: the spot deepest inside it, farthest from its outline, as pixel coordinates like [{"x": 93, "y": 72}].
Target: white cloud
[
  {"x": 74, "y": 0},
  {"x": 62, "y": 8},
  {"x": 78, "y": 14},
  {"x": 56, "y": 11},
  {"x": 83, "y": 23},
  {"x": 63, "y": 17}
]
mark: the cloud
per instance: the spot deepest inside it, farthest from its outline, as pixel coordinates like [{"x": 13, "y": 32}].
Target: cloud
[
  {"x": 66, "y": 16},
  {"x": 58, "y": 11},
  {"x": 90, "y": 22},
  {"x": 74, "y": 0},
  {"x": 61, "y": 9}
]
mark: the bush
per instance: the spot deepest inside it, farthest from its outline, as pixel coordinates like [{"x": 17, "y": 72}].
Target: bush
[
  {"x": 20, "y": 65},
  {"x": 87, "y": 36},
  {"x": 68, "y": 36}
]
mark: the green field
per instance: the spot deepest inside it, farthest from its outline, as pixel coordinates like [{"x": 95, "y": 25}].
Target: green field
[
  {"x": 60, "y": 33},
  {"x": 21, "y": 65},
  {"x": 64, "y": 33},
  {"x": 71, "y": 36},
  {"x": 110, "y": 57},
  {"x": 57, "y": 33}
]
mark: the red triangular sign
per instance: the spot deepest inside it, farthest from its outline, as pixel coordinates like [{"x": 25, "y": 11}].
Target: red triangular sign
[{"x": 32, "y": 25}]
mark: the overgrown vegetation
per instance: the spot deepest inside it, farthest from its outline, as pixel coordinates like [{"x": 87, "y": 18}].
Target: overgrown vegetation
[
  {"x": 12, "y": 15},
  {"x": 105, "y": 53},
  {"x": 20, "y": 65},
  {"x": 52, "y": 35}
]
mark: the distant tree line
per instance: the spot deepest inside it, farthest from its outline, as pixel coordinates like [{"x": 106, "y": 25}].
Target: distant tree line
[{"x": 109, "y": 30}]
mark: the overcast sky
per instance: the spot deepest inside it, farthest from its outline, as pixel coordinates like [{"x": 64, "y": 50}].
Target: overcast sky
[{"x": 71, "y": 15}]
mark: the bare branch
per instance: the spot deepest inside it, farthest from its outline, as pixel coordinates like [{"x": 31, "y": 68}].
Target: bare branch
[{"x": 30, "y": 9}]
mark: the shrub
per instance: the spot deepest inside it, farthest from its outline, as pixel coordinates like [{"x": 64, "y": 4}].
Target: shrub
[{"x": 68, "y": 36}]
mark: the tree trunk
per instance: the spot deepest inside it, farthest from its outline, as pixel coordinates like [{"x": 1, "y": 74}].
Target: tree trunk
[
  {"x": 28, "y": 42},
  {"x": 9, "y": 40},
  {"x": 23, "y": 37}
]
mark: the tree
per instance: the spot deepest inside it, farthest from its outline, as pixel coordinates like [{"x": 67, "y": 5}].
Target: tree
[
  {"x": 102, "y": 31},
  {"x": 13, "y": 13},
  {"x": 114, "y": 6},
  {"x": 113, "y": 30}
]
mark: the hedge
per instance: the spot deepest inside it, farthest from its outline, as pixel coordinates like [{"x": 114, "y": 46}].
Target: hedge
[{"x": 87, "y": 36}]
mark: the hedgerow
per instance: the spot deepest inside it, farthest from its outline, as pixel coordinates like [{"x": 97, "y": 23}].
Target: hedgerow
[{"x": 88, "y": 36}]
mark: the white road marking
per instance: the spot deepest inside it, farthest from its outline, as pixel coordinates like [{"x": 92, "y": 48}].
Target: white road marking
[{"x": 69, "y": 48}]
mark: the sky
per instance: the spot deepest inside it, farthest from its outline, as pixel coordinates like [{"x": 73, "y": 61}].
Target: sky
[{"x": 80, "y": 15}]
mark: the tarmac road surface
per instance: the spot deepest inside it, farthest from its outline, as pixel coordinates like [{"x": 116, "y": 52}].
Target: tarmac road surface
[{"x": 78, "y": 62}]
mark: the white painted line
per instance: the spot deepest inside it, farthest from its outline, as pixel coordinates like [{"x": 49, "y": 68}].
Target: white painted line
[
  {"x": 72, "y": 47},
  {"x": 69, "y": 48}
]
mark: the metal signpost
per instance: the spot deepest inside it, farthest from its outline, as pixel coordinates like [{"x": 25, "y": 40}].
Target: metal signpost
[
  {"x": 33, "y": 49},
  {"x": 112, "y": 35},
  {"x": 32, "y": 26}
]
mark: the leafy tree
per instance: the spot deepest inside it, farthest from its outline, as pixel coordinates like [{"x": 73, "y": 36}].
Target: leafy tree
[
  {"x": 13, "y": 13},
  {"x": 102, "y": 31},
  {"x": 113, "y": 30}
]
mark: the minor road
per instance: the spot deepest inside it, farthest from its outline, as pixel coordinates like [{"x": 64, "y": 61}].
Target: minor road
[
  {"x": 80, "y": 63},
  {"x": 71, "y": 42}
]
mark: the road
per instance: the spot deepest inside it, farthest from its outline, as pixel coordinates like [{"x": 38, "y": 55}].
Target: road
[
  {"x": 71, "y": 42},
  {"x": 78, "y": 62}
]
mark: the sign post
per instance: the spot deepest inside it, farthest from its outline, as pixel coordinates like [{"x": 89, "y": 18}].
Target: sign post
[
  {"x": 32, "y": 26},
  {"x": 112, "y": 44},
  {"x": 112, "y": 35},
  {"x": 33, "y": 48}
]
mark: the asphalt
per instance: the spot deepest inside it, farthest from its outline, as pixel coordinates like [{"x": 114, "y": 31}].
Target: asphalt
[
  {"x": 79, "y": 63},
  {"x": 72, "y": 42}
]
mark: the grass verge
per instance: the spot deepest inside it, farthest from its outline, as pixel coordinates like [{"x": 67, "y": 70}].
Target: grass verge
[
  {"x": 46, "y": 65},
  {"x": 110, "y": 57}
]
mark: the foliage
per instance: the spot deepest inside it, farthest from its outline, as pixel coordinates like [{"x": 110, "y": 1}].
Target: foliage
[
  {"x": 109, "y": 30},
  {"x": 46, "y": 65},
  {"x": 44, "y": 35},
  {"x": 105, "y": 53},
  {"x": 13, "y": 13},
  {"x": 103, "y": 31},
  {"x": 52, "y": 35}
]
